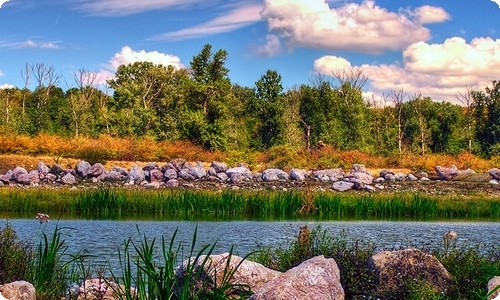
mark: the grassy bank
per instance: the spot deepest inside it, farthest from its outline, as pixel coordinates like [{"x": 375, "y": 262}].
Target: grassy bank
[{"x": 260, "y": 204}]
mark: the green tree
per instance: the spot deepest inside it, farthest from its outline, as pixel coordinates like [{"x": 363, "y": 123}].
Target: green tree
[
  {"x": 487, "y": 117},
  {"x": 269, "y": 108}
]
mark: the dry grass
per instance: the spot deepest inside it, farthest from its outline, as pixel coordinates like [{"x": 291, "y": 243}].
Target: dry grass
[{"x": 18, "y": 150}]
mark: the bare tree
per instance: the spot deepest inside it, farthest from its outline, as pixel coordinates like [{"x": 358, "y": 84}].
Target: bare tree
[
  {"x": 25, "y": 74},
  {"x": 468, "y": 102},
  {"x": 419, "y": 109},
  {"x": 398, "y": 97},
  {"x": 80, "y": 101}
]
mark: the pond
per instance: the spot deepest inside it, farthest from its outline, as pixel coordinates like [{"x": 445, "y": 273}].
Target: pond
[{"x": 103, "y": 238}]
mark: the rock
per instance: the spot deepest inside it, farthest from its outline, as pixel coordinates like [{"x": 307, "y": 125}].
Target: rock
[
  {"x": 219, "y": 167},
  {"x": 136, "y": 175},
  {"x": 120, "y": 170},
  {"x": 379, "y": 180},
  {"x": 342, "y": 186},
  {"x": 176, "y": 164},
  {"x": 400, "y": 176},
  {"x": 446, "y": 173},
  {"x": 365, "y": 178},
  {"x": 328, "y": 175},
  {"x": 241, "y": 170},
  {"x": 317, "y": 278},
  {"x": 494, "y": 173},
  {"x": 96, "y": 170},
  {"x": 4, "y": 178},
  {"x": 424, "y": 179},
  {"x": 369, "y": 188},
  {"x": 384, "y": 173},
  {"x": 184, "y": 174},
  {"x": 411, "y": 177},
  {"x": 31, "y": 178},
  {"x": 421, "y": 174},
  {"x": 251, "y": 275},
  {"x": 172, "y": 183},
  {"x": 357, "y": 168},
  {"x": 211, "y": 172},
  {"x": 17, "y": 172},
  {"x": 390, "y": 177},
  {"x": 50, "y": 177},
  {"x": 298, "y": 174},
  {"x": 115, "y": 176},
  {"x": 274, "y": 175},
  {"x": 42, "y": 168},
  {"x": 492, "y": 284},
  {"x": 150, "y": 166},
  {"x": 82, "y": 168},
  {"x": 18, "y": 290},
  {"x": 493, "y": 182},
  {"x": 100, "y": 289},
  {"x": 57, "y": 169},
  {"x": 222, "y": 176},
  {"x": 236, "y": 178},
  {"x": 394, "y": 269},
  {"x": 170, "y": 174},
  {"x": 197, "y": 171},
  {"x": 155, "y": 175},
  {"x": 68, "y": 179},
  {"x": 152, "y": 185}
]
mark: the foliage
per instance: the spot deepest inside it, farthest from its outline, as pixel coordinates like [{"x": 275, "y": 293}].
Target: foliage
[{"x": 14, "y": 256}]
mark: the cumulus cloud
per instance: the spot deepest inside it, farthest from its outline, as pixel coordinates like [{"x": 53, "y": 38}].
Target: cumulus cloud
[
  {"x": 430, "y": 14},
  {"x": 2, "y": 2},
  {"x": 128, "y": 7},
  {"x": 127, "y": 56},
  {"x": 439, "y": 71},
  {"x": 272, "y": 47},
  {"x": 363, "y": 27},
  {"x": 6, "y": 86},
  {"x": 234, "y": 19}
]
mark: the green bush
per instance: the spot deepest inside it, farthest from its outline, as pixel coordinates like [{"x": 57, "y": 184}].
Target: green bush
[{"x": 14, "y": 256}]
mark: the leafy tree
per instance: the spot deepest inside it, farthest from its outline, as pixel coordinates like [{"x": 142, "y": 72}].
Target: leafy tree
[
  {"x": 487, "y": 117},
  {"x": 269, "y": 108}
]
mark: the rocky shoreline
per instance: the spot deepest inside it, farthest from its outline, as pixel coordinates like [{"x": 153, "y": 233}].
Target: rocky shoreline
[{"x": 179, "y": 173}]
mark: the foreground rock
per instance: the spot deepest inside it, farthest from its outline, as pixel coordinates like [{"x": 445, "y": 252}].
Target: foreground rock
[
  {"x": 99, "y": 289},
  {"x": 249, "y": 276},
  {"x": 395, "y": 269},
  {"x": 492, "y": 284},
  {"x": 317, "y": 278},
  {"x": 18, "y": 290}
]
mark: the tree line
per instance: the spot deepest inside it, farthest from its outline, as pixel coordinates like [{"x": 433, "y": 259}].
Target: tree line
[{"x": 201, "y": 105}]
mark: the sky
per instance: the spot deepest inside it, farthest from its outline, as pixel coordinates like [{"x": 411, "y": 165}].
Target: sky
[{"x": 437, "y": 49}]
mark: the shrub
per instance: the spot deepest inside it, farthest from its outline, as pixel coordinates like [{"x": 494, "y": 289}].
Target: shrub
[{"x": 14, "y": 256}]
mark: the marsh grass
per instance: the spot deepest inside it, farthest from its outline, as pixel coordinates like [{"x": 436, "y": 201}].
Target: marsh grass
[
  {"x": 14, "y": 256},
  {"x": 108, "y": 202}
]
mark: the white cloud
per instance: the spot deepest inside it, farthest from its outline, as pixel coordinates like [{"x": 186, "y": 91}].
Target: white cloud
[
  {"x": 2, "y": 2},
  {"x": 128, "y": 7},
  {"x": 439, "y": 71},
  {"x": 430, "y": 14},
  {"x": 128, "y": 56},
  {"x": 497, "y": 2},
  {"x": 363, "y": 27},
  {"x": 272, "y": 47},
  {"x": 29, "y": 44},
  {"x": 237, "y": 18}
]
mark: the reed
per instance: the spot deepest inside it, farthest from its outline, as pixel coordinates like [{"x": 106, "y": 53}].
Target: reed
[{"x": 108, "y": 202}]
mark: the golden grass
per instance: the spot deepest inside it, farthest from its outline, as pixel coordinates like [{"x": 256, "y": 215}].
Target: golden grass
[{"x": 19, "y": 150}]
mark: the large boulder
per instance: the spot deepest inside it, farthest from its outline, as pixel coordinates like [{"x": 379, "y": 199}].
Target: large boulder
[
  {"x": 42, "y": 168},
  {"x": 57, "y": 170},
  {"x": 342, "y": 186},
  {"x": 250, "y": 276},
  {"x": 274, "y": 175},
  {"x": 96, "y": 170},
  {"x": 494, "y": 173},
  {"x": 395, "y": 269},
  {"x": 29, "y": 179},
  {"x": 136, "y": 175},
  {"x": 317, "y": 278},
  {"x": 447, "y": 173},
  {"x": 197, "y": 170},
  {"x": 18, "y": 171},
  {"x": 492, "y": 284},
  {"x": 82, "y": 168},
  {"x": 155, "y": 175},
  {"x": 298, "y": 174},
  {"x": 328, "y": 175},
  {"x": 170, "y": 174},
  {"x": 18, "y": 290},
  {"x": 219, "y": 167},
  {"x": 68, "y": 179},
  {"x": 238, "y": 174}
]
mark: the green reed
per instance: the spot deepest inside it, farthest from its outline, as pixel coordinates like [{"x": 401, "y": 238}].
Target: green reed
[{"x": 106, "y": 202}]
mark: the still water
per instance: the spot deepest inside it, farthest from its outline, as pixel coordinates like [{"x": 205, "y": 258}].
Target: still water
[{"x": 104, "y": 238}]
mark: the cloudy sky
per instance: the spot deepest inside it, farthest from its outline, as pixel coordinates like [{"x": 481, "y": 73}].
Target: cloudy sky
[{"x": 436, "y": 48}]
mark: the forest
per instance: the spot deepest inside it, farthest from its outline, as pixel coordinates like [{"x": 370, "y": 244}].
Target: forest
[{"x": 201, "y": 105}]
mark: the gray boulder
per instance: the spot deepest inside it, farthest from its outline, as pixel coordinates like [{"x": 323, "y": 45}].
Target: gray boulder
[
  {"x": 68, "y": 179},
  {"x": 150, "y": 166},
  {"x": 494, "y": 173},
  {"x": 446, "y": 173},
  {"x": 342, "y": 186},
  {"x": 364, "y": 178},
  {"x": 29, "y": 179},
  {"x": 274, "y": 175},
  {"x": 18, "y": 171},
  {"x": 219, "y": 167},
  {"x": 172, "y": 183},
  {"x": 82, "y": 168},
  {"x": 222, "y": 177},
  {"x": 4, "y": 178},
  {"x": 57, "y": 169},
  {"x": 317, "y": 278},
  {"x": 155, "y": 175},
  {"x": 18, "y": 290},
  {"x": 97, "y": 170},
  {"x": 298, "y": 174},
  {"x": 198, "y": 171},
  {"x": 136, "y": 175},
  {"x": 42, "y": 168},
  {"x": 328, "y": 175},
  {"x": 170, "y": 174},
  {"x": 241, "y": 170}
]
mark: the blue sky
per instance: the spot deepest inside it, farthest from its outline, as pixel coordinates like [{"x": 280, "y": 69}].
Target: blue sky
[{"x": 435, "y": 48}]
